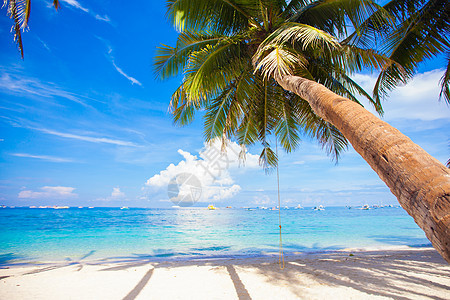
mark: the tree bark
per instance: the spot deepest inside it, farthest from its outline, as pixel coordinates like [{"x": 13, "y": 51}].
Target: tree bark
[{"x": 419, "y": 181}]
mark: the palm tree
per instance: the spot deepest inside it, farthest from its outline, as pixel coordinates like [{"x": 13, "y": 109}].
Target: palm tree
[
  {"x": 19, "y": 11},
  {"x": 302, "y": 46}
]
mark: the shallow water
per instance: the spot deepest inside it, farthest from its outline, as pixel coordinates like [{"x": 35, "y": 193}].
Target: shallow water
[{"x": 74, "y": 234}]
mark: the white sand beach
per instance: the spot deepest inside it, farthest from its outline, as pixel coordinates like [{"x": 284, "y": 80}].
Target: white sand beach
[{"x": 384, "y": 274}]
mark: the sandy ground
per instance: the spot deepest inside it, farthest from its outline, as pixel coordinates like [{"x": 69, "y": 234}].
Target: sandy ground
[{"x": 393, "y": 274}]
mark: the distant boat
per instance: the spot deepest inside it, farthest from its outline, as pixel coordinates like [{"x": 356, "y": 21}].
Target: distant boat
[
  {"x": 124, "y": 207},
  {"x": 320, "y": 207},
  {"x": 365, "y": 207},
  {"x": 299, "y": 207},
  {"x": 212, "y": 207},
  {"x": 80, "y": 206},
  {"x": 175, "y": 206},
  {"x": 262, "y": 207},
  {"x": 229, "y": 207},
  {"x": 33, "y": 206},
  {"x": 60, "y": 207},
  {"x": 286, "y": 207},
  {"x": 274, "y": 208},
  {"x": 90, "y": 207}
]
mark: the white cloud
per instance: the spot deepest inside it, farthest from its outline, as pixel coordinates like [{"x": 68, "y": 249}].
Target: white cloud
[
  {"x": 132, "y": 79},
  {"x": 77, "y": 5},
  {"x": 212, "y": 170},
  {"x": 417, "y": 100},
  {"x": 117, "y": 193},
  {"x": 43, "y": 157},
  {"x": 19, "y": 85},
  {"x": 103, "y": 18},
  {"x": 53, "y": 192},
  {"x": 263, "y": 200},
  {"x": 88, "y": 138}
]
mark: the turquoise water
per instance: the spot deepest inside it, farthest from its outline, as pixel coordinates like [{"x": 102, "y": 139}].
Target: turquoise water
[{"x": 72, "y": 234}]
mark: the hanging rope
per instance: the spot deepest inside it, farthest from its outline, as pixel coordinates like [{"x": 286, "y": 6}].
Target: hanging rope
[{"x": 281, "y": 254}]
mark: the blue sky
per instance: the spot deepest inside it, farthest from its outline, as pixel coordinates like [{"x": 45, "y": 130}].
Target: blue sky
[{"x": 83, "y": 122}]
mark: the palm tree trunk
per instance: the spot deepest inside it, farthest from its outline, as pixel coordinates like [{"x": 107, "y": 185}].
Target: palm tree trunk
[{"x": 418, "y": 180}]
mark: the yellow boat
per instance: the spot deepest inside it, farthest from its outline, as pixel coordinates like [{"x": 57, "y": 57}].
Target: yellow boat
[{"x": 211, "y": 207}]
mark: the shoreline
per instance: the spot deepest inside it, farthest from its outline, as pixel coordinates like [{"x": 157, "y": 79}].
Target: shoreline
[
  {"x": 168, "y": 257},
  {"x": 401, "y": 273}
]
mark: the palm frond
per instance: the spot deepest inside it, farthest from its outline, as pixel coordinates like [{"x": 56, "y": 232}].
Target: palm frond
[
  {"x": 216, "y": 116},
  {"x": 268, "y": 159},
  {"x": 226, "y": 15},
  {"x": 423, "y": 32},
  {"x": 333, "y": 15},
  {"x": 304, "y": 35},
  {"x": 212, "y": 68},
  {"x": 287, "y": 128},
  {"x": 315, "y": 127},
  {"x": 170, "y": 60},
  {"x": 276, "y": 61},
  {"x": 445, "y": 82},
  {"x": 19, "y": 12}
]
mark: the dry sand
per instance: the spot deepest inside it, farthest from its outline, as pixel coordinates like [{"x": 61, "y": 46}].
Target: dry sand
[{"x": 392, "y": 274}]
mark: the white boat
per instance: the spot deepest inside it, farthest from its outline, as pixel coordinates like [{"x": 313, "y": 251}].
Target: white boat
[
  {"x": 320, "y": 207},
  {"x": 365, "y": 207},
  {"x": 299, "y": 207},
  {"x": 124, "y": 207}
]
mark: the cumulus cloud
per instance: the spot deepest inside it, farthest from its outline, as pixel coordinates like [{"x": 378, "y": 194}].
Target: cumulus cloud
[
  {"x": 417, "y": 100},
  {"x": 211, "y": 169},
  {"x": 52, "y": 192},
  {"x": 116, "y": 194}
]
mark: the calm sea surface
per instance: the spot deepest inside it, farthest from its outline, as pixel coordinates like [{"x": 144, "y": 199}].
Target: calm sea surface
[{"x": 74, "y": 234}]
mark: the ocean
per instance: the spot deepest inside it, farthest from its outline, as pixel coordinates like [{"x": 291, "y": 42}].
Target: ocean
[{"x": 33, "y": 235}]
